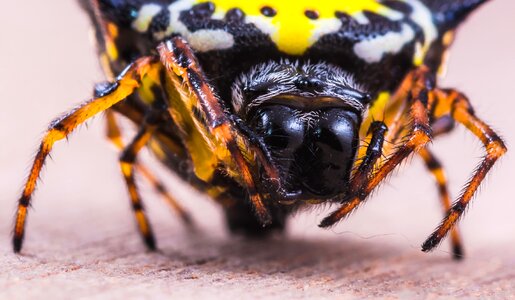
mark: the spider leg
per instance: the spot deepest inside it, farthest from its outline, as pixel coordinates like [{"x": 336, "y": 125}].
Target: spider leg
[
  {"x": 114, "y": 135},
  {"x": 418, "y": 137},
  {"x": 179, "y": 61},
  {"x": 127, "y": 160},
  {"x": 461, "y": 110},
  {"x": 60, "y": 128},
  {"x": 373, "y": 153},
  {"x": 435, "y": 167}
]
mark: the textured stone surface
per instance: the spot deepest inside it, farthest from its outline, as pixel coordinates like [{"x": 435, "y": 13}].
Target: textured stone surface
[{"x": 82, "y": 242}]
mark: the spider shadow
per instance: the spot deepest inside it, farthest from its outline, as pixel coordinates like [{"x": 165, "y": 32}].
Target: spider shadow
[{"x": 293, "y": 256}]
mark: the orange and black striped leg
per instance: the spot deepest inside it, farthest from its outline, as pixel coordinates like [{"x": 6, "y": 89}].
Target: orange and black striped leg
[
  {"x": 180, "y": 61},
  {"x": 127, "y": 162},
  {"x": 60, "y": 128},
  {"x": 419, "y": 136},
  {"x": 114, "y": 135},
  {"x": 462, "y": 112},
  {"x": 435, "y": 167}
]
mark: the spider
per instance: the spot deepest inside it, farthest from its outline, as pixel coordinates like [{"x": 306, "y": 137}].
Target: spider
[{"x": 269, "y": 107}]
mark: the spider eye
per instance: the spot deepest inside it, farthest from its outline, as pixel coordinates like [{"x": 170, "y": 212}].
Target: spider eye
[
  {"x": 335, "y": 140},
  {"x": 280, "y": 127}
]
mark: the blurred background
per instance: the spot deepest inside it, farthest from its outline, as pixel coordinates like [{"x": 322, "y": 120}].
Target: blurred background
[{"x": 81, "y": 237}]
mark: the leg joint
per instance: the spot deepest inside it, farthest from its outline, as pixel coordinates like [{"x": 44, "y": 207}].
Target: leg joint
[
  {"x": 128, "y": 156},
  {"x": 137, "y": 206},
  {"x": 496, "y": 148},
  {"x": 459, "y": 207},
  {"x": 420, "y": 137},
  {"x": 24, "y": 201}
]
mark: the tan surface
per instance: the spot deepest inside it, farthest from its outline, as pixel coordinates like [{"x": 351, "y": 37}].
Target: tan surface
[{"x": 82, "y": 241}]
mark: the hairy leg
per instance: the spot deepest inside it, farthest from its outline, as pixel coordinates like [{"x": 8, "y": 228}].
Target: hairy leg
[
  {"x": 419, "y": 135},
  {"x": 435, "y": 167},
  {"x": 60, "y": 128},
  {"x": 179, "y": 61},
  {"x": 461, "y": 110}
]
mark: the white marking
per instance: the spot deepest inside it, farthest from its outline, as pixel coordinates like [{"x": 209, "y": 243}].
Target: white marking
[
  {"x": 205, "y": 40},
  {"x": 323, "y": 27},
  {"x": 263, "y": 24},
  {"x": 423, "y": 17},
  {"x": 218, "y": 14},
  {"x": 392, "y": 15},
  {"x": 176, "y": 26},
  {"x": 201, "y": 40},
  {"x": 145, "y": 16},
  {"x": 373, "y": 50},
  {"x": 361, "y": 18}
]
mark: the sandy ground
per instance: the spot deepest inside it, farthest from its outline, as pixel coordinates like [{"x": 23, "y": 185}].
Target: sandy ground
[{"x": 82, "y": 241}]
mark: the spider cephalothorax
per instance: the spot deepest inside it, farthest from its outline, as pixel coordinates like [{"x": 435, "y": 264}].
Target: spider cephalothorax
[
  {"x": 260, "y": 104},
  {"x": 308, "y": 116}
]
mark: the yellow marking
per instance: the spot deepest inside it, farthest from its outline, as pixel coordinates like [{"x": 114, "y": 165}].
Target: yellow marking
[
  {"x": 55, "y": 135},
  {"x": 447, "y": 40},
  {"x": 148, "y": 82},
  {"x": 145, "y": 16},
  {"x": 157, "y": 150},
  {"x": 376, "y": 113},
  {"x": 440, "y": 176},
  {"x": 126, "y": 169},
  {"x": 111, "y": 50},
  {"x": 20, "y": 219},
  {"x": 142, "y": 222},
  {"x": 290, "y": 29},
  {"x": 215, "y": 191},
  {"x": 198, "y": 141}
]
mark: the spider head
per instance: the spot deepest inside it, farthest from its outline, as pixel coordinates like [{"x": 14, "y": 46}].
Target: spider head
[{"x": 308, "y": 116}]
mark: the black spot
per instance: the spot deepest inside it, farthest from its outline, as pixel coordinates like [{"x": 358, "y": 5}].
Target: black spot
[
  {"x": 268, "y": 11},
  {"x": 403, "y": 7},
  {"x": 235, "y": 15},
  {"x": 312, "y": 14},
  {"x": 160, "y": 22},
  {"x": 203, "y": 10},
  {"x": 342, "y": 16}
]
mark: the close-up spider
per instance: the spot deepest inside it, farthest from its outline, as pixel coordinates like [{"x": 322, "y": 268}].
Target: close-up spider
[
  {"x": 269, "y": 118},
  {"x": 271, "y": 108}
]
